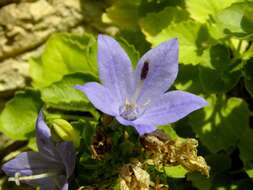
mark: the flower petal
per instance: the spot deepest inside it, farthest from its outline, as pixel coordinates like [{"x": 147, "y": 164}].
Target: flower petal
[
  {"x": 115, "y": 69},
  {"x": 140, "y": 128},
  {"x": 100, "y": 97},
  {"x": 33, "y": 163},
  {"x": 67, "y": 152},
  {"x": 144, "y": 129},
  {"x": 65, "y": 186},
  {"x": 123, "y": 121},
  {"x": 30, "y": 163},
  {"x": 171, "y": 107},
  {"x": 44, "y": 141},
  {"x": 156, "y": 71},
  {"x": 53, "y": 183}
]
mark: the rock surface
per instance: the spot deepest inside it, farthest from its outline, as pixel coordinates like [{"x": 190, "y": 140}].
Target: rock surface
[{"x": 24, "y": 26}]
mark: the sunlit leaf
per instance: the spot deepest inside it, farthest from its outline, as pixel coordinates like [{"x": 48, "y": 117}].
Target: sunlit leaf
[
  {"x": 192, "y": 36},
  {"x": 153, "y": 23},
  {"x": 236, "y": 19},
  {"x": 248, "y": 54},
  {"x": 64, "y": 53},
  {"x": 17, "y": 119},
  {"x": 168, "y": 130},
  {"x": 175, "y": 171},
  {"x": 220, "y": 124},
  {"x": 202, "y": 10}
]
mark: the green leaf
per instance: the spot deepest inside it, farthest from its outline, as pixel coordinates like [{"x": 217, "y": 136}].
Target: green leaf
[
  {"x": 133, "y": 54},
  {"x": 202, "y": 10},
  {"x": 64, "y": 53},
  {"x": 246, "y": 151},
  {"x": 220, "y": 124},
  {"x": 157, "y": 5},
  {"x": 199, "y": 181},
  {"x": 63, "y": 95},
  {"x": 217, "y": 72},
  {"x": 220, "y": 165},
  {"x": 161, "y": 20},
  {"x": 123, "y": 14},
  {"x": 175, "y": 171},
  {"x": 248, "y": 76},
  {"x": 92, "y": 12},
  {"x": 248, "y": 54},
  {"x": 36, "y": 72},
  {"x": 188, "y": 79},
  {"x": 32, "y": 144},
  {"x": 136, "y": 38},
  {"x": 193, "y": 38},
  {"x": 169, "y": 131},
  {"x": 236, "y": 20},
  {"x": 17, "y": 119},
  {"x": 217, "y": 182}
]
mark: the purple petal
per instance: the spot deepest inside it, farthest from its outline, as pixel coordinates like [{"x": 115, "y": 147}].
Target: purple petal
[
  {"x": 123, "y": 121},
  {"x": 65, "y": 186},
  {"x": 54, "y": 183},
  {"x": 67, "y": 153},
  {"x": 171, "y": 107},
  {"x": 100, "y": 97},
  {"x": 143, "y": 129},
  {"x": 33, "y": 163},
  {"x": 44, "y": 141},
  {"x": 156, "y": 71},
  {"x": 30, "y": 163},
  {"x": 115, "y": 68}
]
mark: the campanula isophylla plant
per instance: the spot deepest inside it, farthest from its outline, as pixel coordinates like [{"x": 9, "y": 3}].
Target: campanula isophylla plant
[
  {"x": 50, "y": 168},
  {"x": 138, "y": 97}
]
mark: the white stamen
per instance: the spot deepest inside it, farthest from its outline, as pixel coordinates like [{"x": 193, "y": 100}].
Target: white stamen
[
  {"x": 130, "y": 110},
  {"x": 17, "y": 177}
]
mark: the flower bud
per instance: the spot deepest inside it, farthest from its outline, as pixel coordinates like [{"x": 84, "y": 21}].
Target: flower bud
[{"x": 66, "y": 131}]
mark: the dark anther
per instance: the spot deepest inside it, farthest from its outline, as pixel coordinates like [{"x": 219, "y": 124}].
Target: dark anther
[{"x": 144, "y": 71}]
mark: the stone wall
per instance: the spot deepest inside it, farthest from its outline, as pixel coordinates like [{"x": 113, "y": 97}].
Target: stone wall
[{"x": 24, "y": 27}]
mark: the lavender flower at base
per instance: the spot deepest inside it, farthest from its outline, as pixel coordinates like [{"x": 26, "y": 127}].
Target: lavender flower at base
[
  {"x": 50, "y": 168},
  {"x": 139, "y": 98}
]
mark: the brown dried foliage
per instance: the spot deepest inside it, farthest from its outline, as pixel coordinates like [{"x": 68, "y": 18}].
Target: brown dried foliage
[{"x": 183, "y": 152}]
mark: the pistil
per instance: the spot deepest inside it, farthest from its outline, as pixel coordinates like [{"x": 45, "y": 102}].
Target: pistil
[{"x": 18, "y": 177}]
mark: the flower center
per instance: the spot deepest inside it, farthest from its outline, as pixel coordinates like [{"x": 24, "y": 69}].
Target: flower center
[
  {"x": 18, "y": 177},
  {"x": 129, "y": 111}
]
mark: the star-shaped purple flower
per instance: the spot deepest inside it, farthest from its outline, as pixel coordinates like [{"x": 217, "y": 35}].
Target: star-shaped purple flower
[
  {"x": 49, "y": 168},
  {"x": 139, "y": 98}
]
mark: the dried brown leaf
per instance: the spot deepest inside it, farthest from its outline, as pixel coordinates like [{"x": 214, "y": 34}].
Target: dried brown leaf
[
  {"x": 175, "y": 152},
  {"x": 134, "y": 177}
]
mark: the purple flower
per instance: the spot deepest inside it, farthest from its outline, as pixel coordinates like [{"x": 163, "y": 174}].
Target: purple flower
[
  {"x": 49, "y": 168},
  {"x": 139, "y": 98}
]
